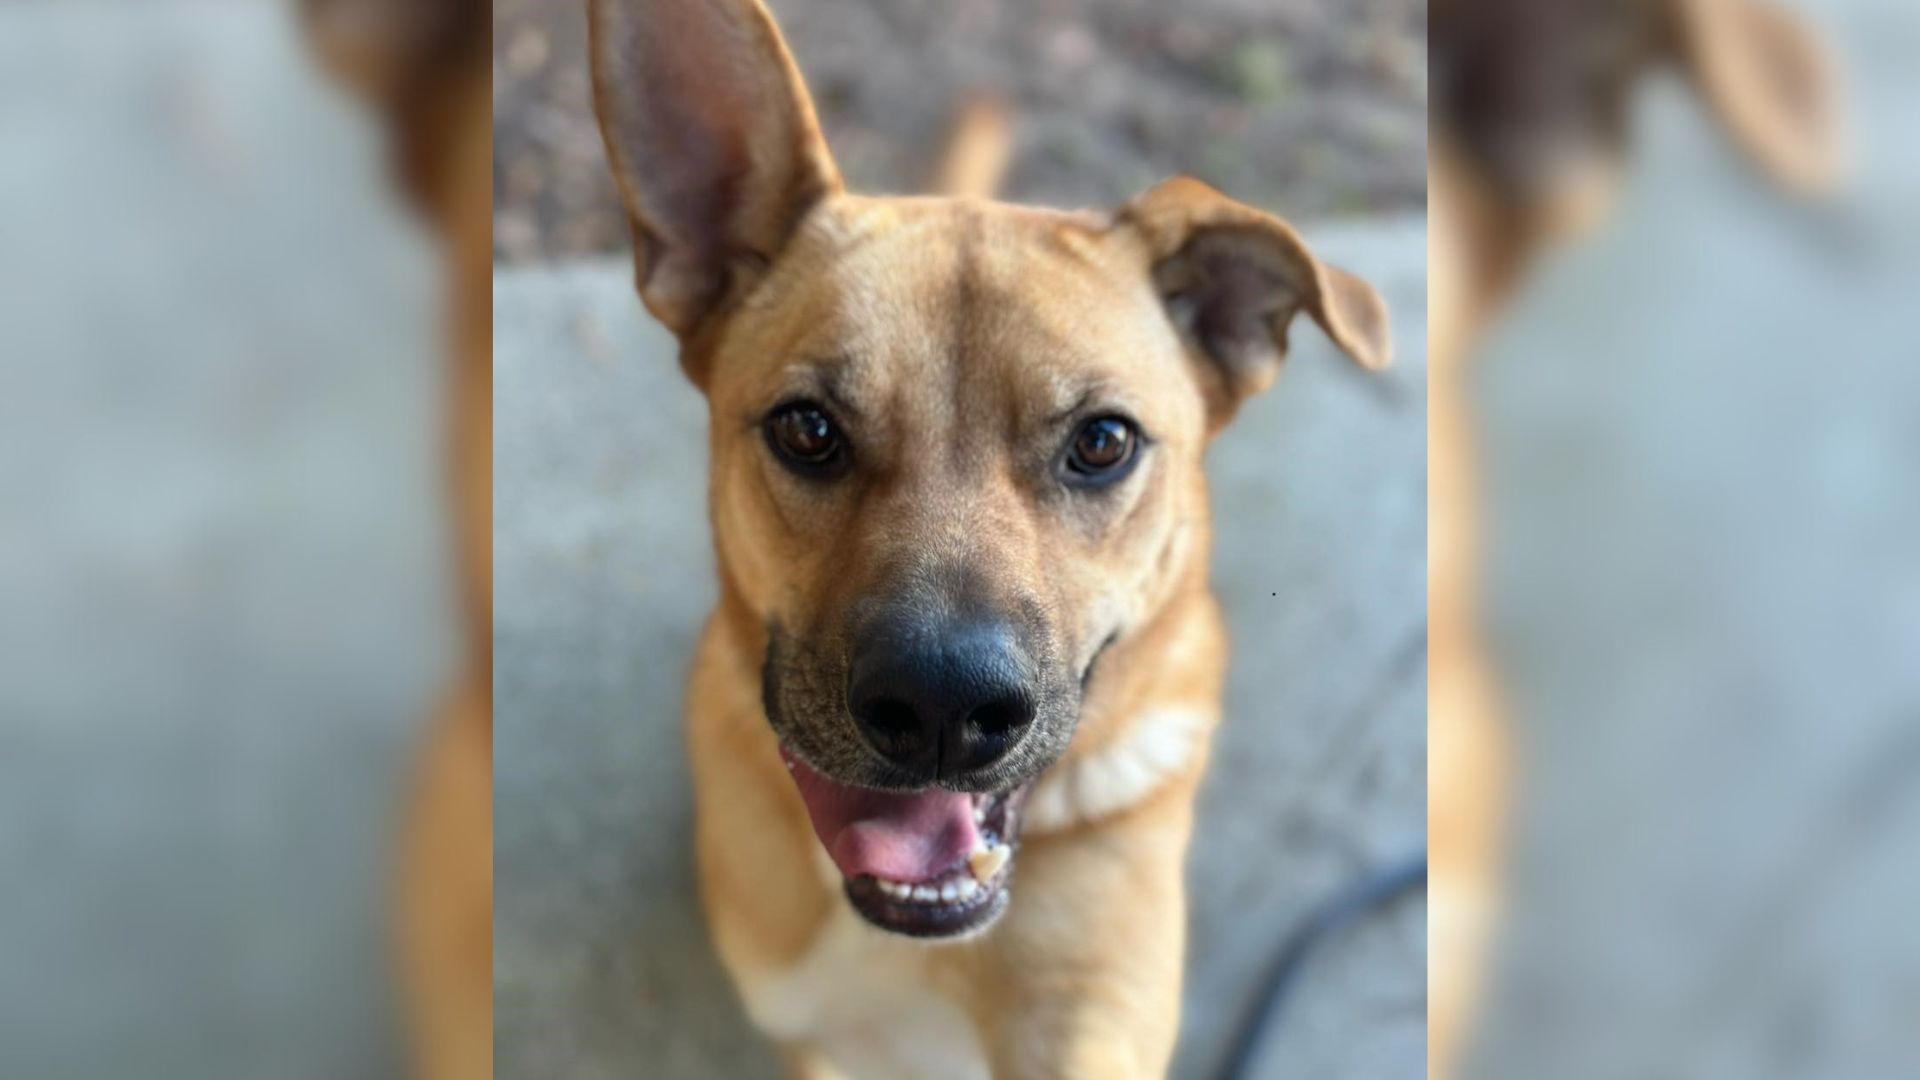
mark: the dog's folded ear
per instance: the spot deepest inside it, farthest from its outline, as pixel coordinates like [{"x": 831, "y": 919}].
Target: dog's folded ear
[
  {"x": 1764, "y": 73},
  {"x": 1233, "y": 278},
  {"x": 713, "y": 142}
]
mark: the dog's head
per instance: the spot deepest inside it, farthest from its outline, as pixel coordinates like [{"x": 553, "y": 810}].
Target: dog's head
[{"x": 955, "y": 444}]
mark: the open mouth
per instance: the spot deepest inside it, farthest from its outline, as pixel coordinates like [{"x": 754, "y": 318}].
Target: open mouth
[{"x": 932, "y": 863}]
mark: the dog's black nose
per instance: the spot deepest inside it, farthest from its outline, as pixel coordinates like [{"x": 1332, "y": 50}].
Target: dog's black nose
[{"x": 941, "y": 699}]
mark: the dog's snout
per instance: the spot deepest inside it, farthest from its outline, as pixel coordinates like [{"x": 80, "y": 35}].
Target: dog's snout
[{"x": 941, "y": 700}]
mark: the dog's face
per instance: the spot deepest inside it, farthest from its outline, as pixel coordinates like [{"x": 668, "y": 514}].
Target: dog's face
[
  {"x": 950, "y": 428},
  {"x": 956, "y": 445}
]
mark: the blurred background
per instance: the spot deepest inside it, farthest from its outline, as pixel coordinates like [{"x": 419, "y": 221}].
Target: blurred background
[
  {"x": 223, "y": 588},
  {"x": 1700, "y": 431},
  {"x": 1312, "y": 110}
]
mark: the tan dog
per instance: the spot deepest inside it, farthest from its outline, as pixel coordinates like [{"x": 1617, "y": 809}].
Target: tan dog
[
  {"x": 423, "y": 65},
  {"x": 1528, "y": 139},
  {"x": 962, "y": 675}
]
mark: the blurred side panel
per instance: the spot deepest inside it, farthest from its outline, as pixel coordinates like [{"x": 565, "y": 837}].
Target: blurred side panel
[
  {"x": 1684, "y": 365},
  {"x": 229, "y": 595}
]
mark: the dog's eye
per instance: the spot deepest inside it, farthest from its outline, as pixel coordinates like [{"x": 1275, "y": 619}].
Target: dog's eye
[
  {"x": 805, "y": 438},
  {"x": 1102, "y": 450}
]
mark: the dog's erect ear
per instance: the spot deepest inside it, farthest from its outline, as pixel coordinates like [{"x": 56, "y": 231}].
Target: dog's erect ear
[
  {"x": 1233, "y": 278},
  {"x": 1764, "y": 73},
  {"x": 713, "y": 143}
]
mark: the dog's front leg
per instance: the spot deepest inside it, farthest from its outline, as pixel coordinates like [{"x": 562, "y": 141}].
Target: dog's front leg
[{"x": 1083, "y": 976}]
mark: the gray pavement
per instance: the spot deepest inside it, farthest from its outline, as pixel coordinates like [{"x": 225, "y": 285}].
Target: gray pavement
[{"x": 603, "y": 574}]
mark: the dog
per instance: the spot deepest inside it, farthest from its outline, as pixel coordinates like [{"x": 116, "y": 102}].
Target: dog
[
  {"x": 947, "y": 718},
  {"x": 421, "y": 66},
  {"x": 1529, "y": 137}
]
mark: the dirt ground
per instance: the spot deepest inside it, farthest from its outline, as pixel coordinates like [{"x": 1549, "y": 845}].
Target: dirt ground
[{"x": 1310, "y": 108}]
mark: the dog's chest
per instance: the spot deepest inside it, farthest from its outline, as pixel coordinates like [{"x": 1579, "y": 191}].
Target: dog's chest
[{"x": 864, "y": 999}]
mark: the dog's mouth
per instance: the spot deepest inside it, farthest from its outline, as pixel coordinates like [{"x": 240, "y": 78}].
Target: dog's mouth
[{"x": 932, "y": 863}]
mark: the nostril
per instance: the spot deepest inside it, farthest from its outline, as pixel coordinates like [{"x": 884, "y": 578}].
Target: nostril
[
  {"x": 891, "y": 717},
  {"x": 1000, "y": 717}
]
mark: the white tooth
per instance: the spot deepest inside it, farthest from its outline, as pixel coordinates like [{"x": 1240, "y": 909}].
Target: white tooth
[
  {"x": 967, "y": 888},
  {"x": 949, "y": 892},
  {"x": 986, "y": 863},
  {"x": 890, "y": 888},
  {"x": 980, "y": 814},
  {"x": 926, "y": 894}
]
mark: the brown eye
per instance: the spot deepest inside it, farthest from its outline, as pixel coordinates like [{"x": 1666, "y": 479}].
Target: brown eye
[
  {"x": 805, "y": 438},
  {"x": 1102, "y": 450}
]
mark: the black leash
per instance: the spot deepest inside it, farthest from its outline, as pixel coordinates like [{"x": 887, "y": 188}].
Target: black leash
[{"x": 1362, "y": 898}]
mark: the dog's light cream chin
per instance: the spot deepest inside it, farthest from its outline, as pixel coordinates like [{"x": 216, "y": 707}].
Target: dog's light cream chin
[{"x": 1161, "y": 743}]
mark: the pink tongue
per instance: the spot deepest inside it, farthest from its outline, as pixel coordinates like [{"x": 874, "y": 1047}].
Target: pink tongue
[{"x": 887, "y": 834}]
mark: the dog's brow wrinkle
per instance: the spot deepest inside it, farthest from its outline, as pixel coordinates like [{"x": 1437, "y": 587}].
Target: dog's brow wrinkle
[
  {"x": 827, "y": 380},
  {"x": 1076, "y": 402},
  {"x": 832, "y": 383}
]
